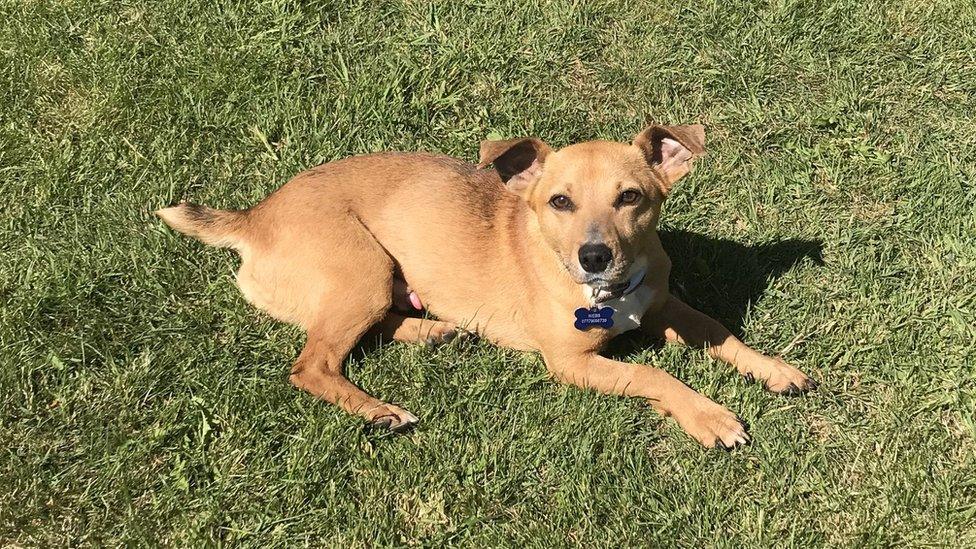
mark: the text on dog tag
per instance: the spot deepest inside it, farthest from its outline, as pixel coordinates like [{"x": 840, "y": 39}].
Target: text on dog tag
[{"x": 594, "y": 317}]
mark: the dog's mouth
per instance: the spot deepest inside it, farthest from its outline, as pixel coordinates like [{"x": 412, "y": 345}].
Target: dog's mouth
[
  {"x": 611, "y": 289},
  {"x": 617, "y": 290},
  {"x": 607, "y": 288},
  {"x": 621, "y": 279}
]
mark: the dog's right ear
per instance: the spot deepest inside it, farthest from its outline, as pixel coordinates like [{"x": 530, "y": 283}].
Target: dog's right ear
[
  {"x": 518, "y": 161},
  {"x": 670, "y": 150}
]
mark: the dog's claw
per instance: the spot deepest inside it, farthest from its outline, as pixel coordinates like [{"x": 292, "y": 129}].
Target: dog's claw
[
  {"x": 750, "y": 378},
  {"x": 812, "y": 384},
  {"x": 403, "y": 427},
  {"x": 740, "y": 441},
  {"x": 394, "y": 418},
  {"x": 714, "y": 426},
  {"x": 780, "y": 378}
]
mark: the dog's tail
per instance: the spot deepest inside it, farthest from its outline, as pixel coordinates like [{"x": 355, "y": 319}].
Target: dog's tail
[{"x": 221, "y": 228}]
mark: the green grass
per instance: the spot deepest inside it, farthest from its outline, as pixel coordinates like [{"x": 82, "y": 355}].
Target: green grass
[{"x": 142, "y": 400}]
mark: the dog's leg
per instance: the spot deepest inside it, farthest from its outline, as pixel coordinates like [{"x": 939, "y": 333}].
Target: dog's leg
[
  {"x": 676, "y": 321},
  {"x": 342, "y": 282},
  {"x": 318, "y": 370},
  {"x": 415, "y": 330},
  {"x": 709, "y": 423}
]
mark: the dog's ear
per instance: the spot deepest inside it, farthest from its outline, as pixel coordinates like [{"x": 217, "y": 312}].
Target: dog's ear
[
  {"x": 671, "y": 149},
  {"x": 518, "y": 161}
]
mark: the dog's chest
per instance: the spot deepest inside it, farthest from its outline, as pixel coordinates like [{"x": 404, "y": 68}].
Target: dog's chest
[{"x": 629, "y": 309}]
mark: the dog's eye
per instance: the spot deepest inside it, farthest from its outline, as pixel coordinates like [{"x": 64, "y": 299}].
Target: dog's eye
[
  {"x": 561, "y": 203},
  {"x": 628, "y": 197}
]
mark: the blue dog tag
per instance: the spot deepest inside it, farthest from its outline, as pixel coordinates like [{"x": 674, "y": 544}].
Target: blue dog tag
[{"x": 595, "y": 317}]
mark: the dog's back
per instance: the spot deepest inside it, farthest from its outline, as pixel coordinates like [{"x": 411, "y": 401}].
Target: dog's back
[{"x": 429, "y": 215}]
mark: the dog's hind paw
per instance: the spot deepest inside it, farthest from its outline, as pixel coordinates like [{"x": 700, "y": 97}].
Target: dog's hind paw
[{"x": 449, "y": 335}]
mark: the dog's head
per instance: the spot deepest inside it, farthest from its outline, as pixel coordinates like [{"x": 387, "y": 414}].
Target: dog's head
[{"x": 597, "y": 203}]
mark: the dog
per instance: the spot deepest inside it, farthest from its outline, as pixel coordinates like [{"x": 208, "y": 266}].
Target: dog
[{"x": 552, "y": 251}]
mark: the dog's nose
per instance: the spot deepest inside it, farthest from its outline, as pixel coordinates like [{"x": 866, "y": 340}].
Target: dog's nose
[{"x": 594, "y": 258}]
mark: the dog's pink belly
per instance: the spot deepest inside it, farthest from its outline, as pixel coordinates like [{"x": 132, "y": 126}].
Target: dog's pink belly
[{"x": 405, "y": 299}]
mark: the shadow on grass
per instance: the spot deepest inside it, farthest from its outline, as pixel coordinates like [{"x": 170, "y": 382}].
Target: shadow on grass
[{"x": 722, "y": 278}]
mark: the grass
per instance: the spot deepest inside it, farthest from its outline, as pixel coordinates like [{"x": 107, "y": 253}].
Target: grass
[{"x": 143, "y": 402}]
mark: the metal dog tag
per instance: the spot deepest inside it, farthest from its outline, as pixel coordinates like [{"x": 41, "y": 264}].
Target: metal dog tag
[{"x": 594, "y": 317}]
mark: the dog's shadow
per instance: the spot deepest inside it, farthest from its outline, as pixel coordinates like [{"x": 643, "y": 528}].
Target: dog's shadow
[{"x": 722, "y": 278}]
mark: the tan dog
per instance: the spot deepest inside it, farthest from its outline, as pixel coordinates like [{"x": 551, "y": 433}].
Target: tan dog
[{"x": 517, "y": 254}]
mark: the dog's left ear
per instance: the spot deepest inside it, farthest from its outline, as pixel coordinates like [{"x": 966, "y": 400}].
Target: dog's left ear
[
  {"x": 671, "y": 149},
  {"x": 518, "y": 161}
]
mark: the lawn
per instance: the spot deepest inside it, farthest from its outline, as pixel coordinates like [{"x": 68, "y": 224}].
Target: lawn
[{"x": 833, "y": 221}]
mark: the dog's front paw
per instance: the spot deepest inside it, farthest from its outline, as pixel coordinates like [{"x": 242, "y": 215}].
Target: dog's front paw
[
  {"x": 392, "y": 417},
  {"x": 712, "y": 424},
  {"x": 779, "y": 377}
]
